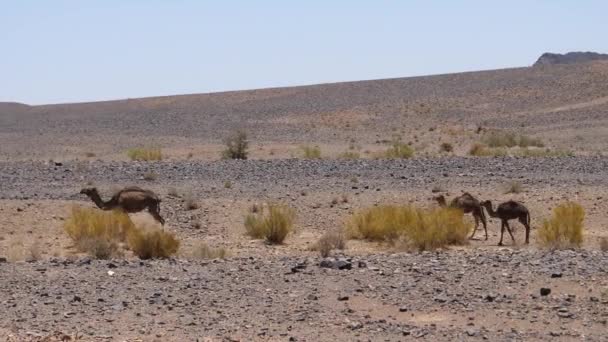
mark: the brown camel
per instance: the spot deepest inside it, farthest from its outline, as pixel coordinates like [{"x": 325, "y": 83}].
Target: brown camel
[
  {"x": 468, "y": 204},
  {"x": 130, "y": 199},
  {"x": 508, "y": 211}
]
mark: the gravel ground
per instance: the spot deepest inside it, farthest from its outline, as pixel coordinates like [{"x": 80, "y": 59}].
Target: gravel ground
[{"x": 492, "y": 295}]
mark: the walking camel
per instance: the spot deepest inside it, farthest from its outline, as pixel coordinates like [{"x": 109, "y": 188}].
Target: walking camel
[
  {"x": 468, "y": 204},
  {"x": 508, "y": 211},
  {"x": 130, "y": 199}
]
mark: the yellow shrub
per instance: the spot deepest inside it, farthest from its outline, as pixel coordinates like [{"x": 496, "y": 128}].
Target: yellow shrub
[
  {"x": 152, "y": 243},
  {"x": 349, "y": 155},
  {"x": 145, "y": 154},
  {"x": 203, "y": 251},
  {"x": 311, "y": 152},
  {"x": 399, "y": 150},
  {"x": 565, "y": 228},
  {"x": 481, "y": 150},
  {"x": 423, "y": 229},
  {"x": 273, "y": 223},
  {"x": 99, "y": 233},
  {"x": 90, "y": 224}
]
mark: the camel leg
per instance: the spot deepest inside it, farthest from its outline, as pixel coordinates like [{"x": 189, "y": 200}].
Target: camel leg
[
  {"x": 525, "y": 223},
  {"x": 502, "y": 231},
  {"x": 485, "y": 224},
  {"x": 510, "y": 233},
  {"x": 476, "y": 225}
]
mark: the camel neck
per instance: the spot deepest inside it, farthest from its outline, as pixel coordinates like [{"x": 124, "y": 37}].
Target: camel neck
[{"x": 97, "y": 200}]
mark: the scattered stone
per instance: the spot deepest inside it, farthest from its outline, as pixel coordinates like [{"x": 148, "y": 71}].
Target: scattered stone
[
  {"x": 544, "y": 291},
  {"x": 556, "y": 275},
  {"x": 343, "y": 298}
]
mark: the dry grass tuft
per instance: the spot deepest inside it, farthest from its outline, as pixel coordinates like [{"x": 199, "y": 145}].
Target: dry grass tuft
[
  {"x": 228, "y": 184},
  {"x": 446, "y": 147},
  {"x": 152, "y": 243},
  {"x": 236, "y": 146},
  {"x": 349, "y": 155},
  {"x": 311, "y": 152},
  {"x": 272, "y": 223},
  {"x": 190, "y": 203},
  {"x": 99, "y": 234},
  {"x": 398, "y": 150},
  {"x": 508, "y": 139},
  {"x": 421, "y": 229},
  {"x": 145, "y": 154},
  {"x": 335, "y": 239},
  {"x": 481, "y": 150},
  {"x": 539, "y": 153},
  {"x": 88, "y": 225},
  {"x": 203, "y": 251},
  {"x": 150, "y": 176},
  {"x": 89, "y": 154},
  {"x": 565, "y": 228},
  {"x": 513, "y": 187}
]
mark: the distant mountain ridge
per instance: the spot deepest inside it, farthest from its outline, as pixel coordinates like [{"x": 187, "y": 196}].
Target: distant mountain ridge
[{"x": 549, "y": 58}]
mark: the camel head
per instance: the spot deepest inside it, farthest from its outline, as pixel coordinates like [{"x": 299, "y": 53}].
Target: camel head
[{"x": 88, "y": 191}]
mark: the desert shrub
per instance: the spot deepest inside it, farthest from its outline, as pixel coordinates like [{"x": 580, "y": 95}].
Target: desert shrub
[
  {"x": 99, "y": 233},
  {"x": 311, "y": 152},
  {"x": 152, "y": 243},
  {"x": 513, "y": 187},
  {"x": 604, "y": 244},
  {"x": 538, "y": 153},
  {"x": 421, "y": 229},
  {"x": 349, "y": 155},
  {"x": 331, "y": 240},
  {"x": 34, "y": 253},
  {"x": 87, "y": 226},
  {"x": 228, "y": 184},
  {"x": 236, "y": 146},
  {"x": 565, "y": 228},
  {"x": 190, "y": 203},
  {"x": 481, "y": 150},
  {"x": 203, "y": 251},
  {"x": 509, "y": 139},
  {"x": 398, "y": 150},
  {"x": 273, "y": 223},
  {"x": 89, "y": 154},
  {"x": 446, "y": 147},
  {"x": 172, "y": 192},
  {"x": 145, "y": 154}
]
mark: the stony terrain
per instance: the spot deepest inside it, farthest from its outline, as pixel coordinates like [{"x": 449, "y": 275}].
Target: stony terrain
[{"x": 369, "y": 291}]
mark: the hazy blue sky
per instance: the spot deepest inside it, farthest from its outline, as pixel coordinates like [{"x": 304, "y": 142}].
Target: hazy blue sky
[{"x": 66, "y": 51}]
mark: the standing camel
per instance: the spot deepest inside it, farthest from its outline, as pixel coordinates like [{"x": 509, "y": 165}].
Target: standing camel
[
  {"x": 130, "y": 199},
  {"x": 508, "y": 211},
  {"x": 468, "y": 204}
]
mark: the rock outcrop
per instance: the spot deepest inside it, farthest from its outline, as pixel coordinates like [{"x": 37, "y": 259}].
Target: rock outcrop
[{"x": 569, "y": 58}]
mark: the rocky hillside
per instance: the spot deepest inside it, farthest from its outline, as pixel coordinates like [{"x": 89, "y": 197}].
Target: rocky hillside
[{"x": 569, "y": 58}]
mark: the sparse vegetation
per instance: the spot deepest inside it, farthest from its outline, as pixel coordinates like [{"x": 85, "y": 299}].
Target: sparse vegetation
[
  {"x": 513, "y": 187},
  {"x": 99, "y": 234},
  {"x": 237, "y": 146},
  {"x": 538, "y": 152},
  {"x": 228, "y": 184},
  {"x": 152, "y": 243},
  {"x": 421, "y": 229},
  {"x": 446, "y": 147},
  {"x": 565, "y": 228},
  {"x": 272, "y": 223},
  {"x": 203, "y": 251},
  {"x": 172, "y": 192},
  {"x": 145, "y": 154},
  {"x": 331, "y": 240},
  {"x": 190, "y": 203},
  {"x": 349, "y": 155},
  {"x": 481, "y": 150},
  {"x": 508, "y": 139},
  {"x": 89, "y": 154},
  {"x": 398, "y": 150},
  {"x": 311, "y": 152}
]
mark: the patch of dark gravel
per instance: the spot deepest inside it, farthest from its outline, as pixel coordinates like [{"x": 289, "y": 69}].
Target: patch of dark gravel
[
  {"x": 475, "y": 294},
  {"x": 40, "y": 180}
]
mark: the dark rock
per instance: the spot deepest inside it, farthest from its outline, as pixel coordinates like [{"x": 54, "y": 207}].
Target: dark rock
[
  {"x": 343, "y": 298},
  {"x": 402, "y": 309},
  {"x": 490, "y": 297},
  {"x": 556, "y": 275},
  {"x": 544, "y": 291},
  {"x": 3, "y": 260},
  {"x": 569, "y": 58}
]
